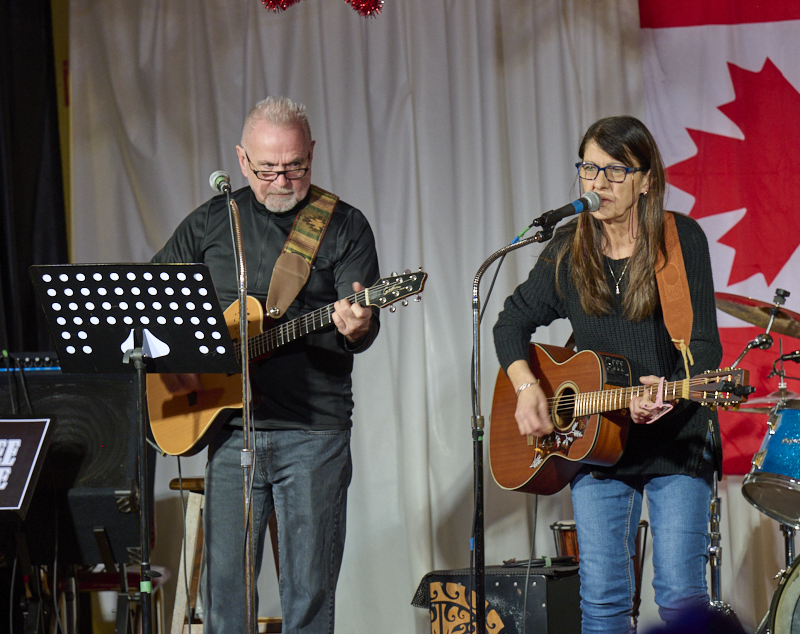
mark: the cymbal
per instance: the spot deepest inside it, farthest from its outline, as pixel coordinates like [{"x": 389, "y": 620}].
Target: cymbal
[
  {"x": 773, "y": 397},
  {"x": 765, "y": 404},
  {"x": 756, "y": 312},
  {"x": 751, "y": 410}
]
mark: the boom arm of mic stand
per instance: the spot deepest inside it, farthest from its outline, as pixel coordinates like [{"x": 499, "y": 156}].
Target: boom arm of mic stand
[
  {"x": 477, "y": 428},
  {"x": 247, "y": 451},
  {"x": 541, "y": 236}
]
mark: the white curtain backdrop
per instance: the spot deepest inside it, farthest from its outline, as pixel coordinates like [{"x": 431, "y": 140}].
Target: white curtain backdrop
[{"x": 451, "y": 124}]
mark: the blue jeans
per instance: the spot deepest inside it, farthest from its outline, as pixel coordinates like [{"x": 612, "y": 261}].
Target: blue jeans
[
  {"x": 304, "y": 476},
  {"x": 607, "y": 514}
]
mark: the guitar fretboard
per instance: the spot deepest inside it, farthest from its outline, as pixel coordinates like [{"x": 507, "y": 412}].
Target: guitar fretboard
[
  {"x": 294, "y": 329},
  {"x": 588, "y": 403},
  {"x": 385, "y": 293}
]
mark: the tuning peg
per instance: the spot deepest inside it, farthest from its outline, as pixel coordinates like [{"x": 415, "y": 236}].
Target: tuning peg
[
  {"x": 407, "y": 272},
  {"x": 418, "y": 298},
  {"x": 404, "y": 302},
  {"x": 392, "y": 308},
  {"x": 394, "y": 274}
]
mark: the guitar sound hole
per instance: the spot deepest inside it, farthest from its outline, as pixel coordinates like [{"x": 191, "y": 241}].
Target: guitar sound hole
[{"x": 564, "y": 409}]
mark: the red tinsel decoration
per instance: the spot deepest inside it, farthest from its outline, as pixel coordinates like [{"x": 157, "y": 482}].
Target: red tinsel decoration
[
  {"x": 367, "y": 8},
  {"x": 278, "y": 5}
]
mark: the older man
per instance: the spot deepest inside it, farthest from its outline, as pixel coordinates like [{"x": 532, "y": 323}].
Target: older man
[{"x": 302, "y": 394}]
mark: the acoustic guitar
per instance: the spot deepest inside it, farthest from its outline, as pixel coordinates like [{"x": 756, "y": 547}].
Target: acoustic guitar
[
  {"x": 588, "y": 394},
  {"x": 183, "y": 424}
]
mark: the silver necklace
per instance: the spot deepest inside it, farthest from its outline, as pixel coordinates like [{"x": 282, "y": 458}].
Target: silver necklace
[{"x": 617, "y": 281}]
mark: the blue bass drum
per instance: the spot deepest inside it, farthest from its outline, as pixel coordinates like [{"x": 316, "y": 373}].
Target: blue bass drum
[{"x": 773, "y": 484}]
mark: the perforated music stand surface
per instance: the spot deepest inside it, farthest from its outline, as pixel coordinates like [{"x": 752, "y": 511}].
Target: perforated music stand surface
[{"x": 93, "y": 310}]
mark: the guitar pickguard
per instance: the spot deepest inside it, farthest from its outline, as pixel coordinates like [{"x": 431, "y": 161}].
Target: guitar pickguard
[{"x": 559, "y": 441}]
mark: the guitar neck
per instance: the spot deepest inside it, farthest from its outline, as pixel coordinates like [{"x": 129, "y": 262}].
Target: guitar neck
[
  {"x": 386, "y": 292},
  {"x": 588, "y": 403},
  {"x": 293, "y": 329}
]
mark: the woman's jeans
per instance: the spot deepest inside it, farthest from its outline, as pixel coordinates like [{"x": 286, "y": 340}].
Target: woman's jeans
[{"x": 607, "y": 514}]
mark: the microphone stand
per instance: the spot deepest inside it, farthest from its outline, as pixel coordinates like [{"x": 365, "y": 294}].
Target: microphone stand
[
  {"x": 247, "y": 450},
  {"x": 477, "y": 421}
]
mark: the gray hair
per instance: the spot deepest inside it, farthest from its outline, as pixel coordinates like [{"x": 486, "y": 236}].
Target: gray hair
[{"x": 280, "y": 111}]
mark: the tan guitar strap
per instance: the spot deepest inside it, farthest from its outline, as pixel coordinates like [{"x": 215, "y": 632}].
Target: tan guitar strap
[
  {"x": 293, "y": 265},
  {"x": 673, "y": 290}
]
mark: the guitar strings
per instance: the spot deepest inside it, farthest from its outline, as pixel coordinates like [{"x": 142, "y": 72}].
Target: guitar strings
[
  {"x": 293, "y": 329},
  {"x": 264, "y": 342},
  {"x": 638, "y": 390}
]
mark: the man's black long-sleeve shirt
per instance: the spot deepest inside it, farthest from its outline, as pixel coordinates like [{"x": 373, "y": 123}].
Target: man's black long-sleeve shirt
[{"x": 305, "y": 384}]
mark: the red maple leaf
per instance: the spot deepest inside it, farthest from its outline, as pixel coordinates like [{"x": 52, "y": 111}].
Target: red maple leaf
[{"x": 755, "y": 173}]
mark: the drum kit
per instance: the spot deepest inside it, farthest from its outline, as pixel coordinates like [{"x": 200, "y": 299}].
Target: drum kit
[{"x": 773, "y": 483}]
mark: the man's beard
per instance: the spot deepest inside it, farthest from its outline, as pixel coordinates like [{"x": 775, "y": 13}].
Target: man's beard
[{"x": 277, "y": 203}]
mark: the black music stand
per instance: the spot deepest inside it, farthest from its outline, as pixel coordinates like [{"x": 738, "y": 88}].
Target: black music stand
[{"x": 120, "y": 318}]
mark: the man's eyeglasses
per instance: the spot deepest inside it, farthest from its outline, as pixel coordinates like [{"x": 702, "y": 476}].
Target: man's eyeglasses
[
  {"x": 613, "y": 173},
  {"x": 290, "y": 175}
]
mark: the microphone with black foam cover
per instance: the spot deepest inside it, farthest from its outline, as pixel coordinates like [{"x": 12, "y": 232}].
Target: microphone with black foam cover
[
  {"x": 220, "y": 182},
  {"x": 590, "y": 201}
]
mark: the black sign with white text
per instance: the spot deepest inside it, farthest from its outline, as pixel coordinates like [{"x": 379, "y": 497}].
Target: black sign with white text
[{"x": 23, "y": 444}]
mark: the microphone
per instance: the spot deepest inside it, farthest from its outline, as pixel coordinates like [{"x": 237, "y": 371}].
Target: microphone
[
  {"x": 220, "y": 182},
  {"x": 792, "y": 356},
  {"x": 590, "y": 201}
]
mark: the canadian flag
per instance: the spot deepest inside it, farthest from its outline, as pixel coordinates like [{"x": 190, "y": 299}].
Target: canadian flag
[{"x": 722, "y": 93}]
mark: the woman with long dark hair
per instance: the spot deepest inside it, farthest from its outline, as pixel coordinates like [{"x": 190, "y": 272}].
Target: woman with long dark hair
[{"x": 599, "y": 272}]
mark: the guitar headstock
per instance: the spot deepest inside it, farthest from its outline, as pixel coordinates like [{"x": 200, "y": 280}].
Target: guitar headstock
[
  {"x": 394, "y": 288},
  {"x": 724, "y": 388}
]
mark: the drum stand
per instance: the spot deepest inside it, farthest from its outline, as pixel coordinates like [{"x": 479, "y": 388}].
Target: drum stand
[
  {"x": 763, "y": 342},
  {"x": 788, "y": 538},
  {"x": 715, "y": 556}
]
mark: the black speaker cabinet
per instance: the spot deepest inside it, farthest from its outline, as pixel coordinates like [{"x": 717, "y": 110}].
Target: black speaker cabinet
[
  {"x": 553, "y": 601},
  {"x": 90, "y": 473}
]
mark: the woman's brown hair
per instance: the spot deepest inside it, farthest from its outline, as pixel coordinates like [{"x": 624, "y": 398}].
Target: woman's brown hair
[{"x": 627, "y": 140}]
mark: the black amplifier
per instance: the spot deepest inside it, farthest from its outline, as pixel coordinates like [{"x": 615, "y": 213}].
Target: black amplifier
[
  {"x": 40, "y": 361},
  {"x": 89, "y": 478},
  {"x": 546, "y": 601}
]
